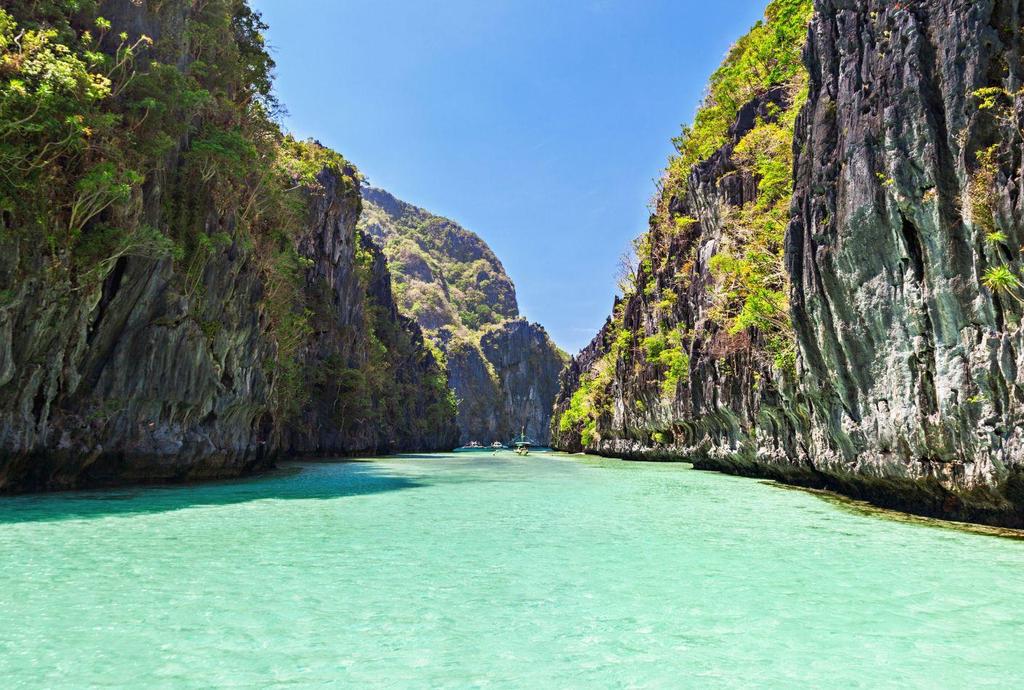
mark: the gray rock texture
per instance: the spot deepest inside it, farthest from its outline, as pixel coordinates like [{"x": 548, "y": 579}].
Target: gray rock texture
[
  {"x": 349, "y": 306},
  {"x": 731, "y": 389},
  {"x": 527, "y": 366},
  {"x": 127, "y": 382},
  {"x": 910, "y": 368},
  {"x": 908, "y": 391},
  {"x": 143, "y": 377}
]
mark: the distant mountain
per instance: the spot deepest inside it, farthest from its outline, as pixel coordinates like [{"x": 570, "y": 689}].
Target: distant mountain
[
  {"x": 503, "y": 370},
  {"x": 444, "y": 275}
]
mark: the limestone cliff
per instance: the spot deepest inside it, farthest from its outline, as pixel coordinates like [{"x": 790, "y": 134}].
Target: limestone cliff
[
  {"x": 374, "y": 385},
  {"x": 908, "y": 195},
  {"x": 723, "y": 401},
  {"x": 893, "y": 375},
  {"x": 174, "y": 334},
  {"x": 502, "y": 369}
]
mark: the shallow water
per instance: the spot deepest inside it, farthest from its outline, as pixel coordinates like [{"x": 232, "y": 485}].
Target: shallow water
[{"x": 473, "y": 570}]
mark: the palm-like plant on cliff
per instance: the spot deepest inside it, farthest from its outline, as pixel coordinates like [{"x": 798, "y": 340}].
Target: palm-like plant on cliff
[{"x": 1002, "y": 280}]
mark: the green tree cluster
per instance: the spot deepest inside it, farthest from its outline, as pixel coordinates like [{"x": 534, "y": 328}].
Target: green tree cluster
[
  {"x": 767, "y": 56},
  {"x": 444, "y": 275}
]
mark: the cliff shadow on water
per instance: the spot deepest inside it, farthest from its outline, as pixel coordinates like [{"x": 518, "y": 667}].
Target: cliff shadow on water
[{"x": 357, "y": 479}]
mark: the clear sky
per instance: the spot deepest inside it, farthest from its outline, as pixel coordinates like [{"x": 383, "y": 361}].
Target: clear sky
[{"x": 541, "y": 125}]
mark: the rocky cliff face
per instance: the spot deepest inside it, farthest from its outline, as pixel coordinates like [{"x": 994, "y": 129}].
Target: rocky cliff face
[
  {"x": 910, "y": 362},
  {"x": 725, "y": 403},
  {"x": 128, "y": 382},
  {"x": 120, "y": 383},
  {"x": 502, "y": 369},
  {"x": 143, "y": 369},
  {"x": 527, "y": 366},
  {"x": 506, "y": 384},
  {"x": 905, "y": 222},
  {"x": 375, "y": 387}
]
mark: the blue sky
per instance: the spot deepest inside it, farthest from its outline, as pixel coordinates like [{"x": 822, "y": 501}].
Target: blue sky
[{"x": 541, "y": 125}]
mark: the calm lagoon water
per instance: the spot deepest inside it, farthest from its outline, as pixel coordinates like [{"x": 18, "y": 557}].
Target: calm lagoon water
[{"x": 473, "y": 570}]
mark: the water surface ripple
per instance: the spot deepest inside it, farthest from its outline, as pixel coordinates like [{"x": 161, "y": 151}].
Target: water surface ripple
[{"x": 473, "y": 570}]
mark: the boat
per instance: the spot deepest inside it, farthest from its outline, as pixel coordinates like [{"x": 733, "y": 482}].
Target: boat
[
  {"x": 497, "y": 445},
  {"x": 523, "y": 444}
]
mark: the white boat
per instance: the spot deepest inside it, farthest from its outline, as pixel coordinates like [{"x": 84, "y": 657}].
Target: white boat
[{"x": 523, "y": 444}]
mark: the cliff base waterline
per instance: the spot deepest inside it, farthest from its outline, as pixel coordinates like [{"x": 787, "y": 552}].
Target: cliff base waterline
[
  {"x": 871, "y": 510},
  {"x": 1001, "y": 506}
]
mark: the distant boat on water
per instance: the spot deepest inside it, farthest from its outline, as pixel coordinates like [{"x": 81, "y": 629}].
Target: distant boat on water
[{"x": 523, "y": 444}]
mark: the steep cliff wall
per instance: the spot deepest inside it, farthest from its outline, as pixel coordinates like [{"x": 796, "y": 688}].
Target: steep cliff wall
[
  {"x": 902, "y": 272},
  {"x": 170, "y": 333},
  {"x": 502, "y": 369},
  {"x": 667, "y": 377},
  {"x": 373, "y": 384},
  {"x": 527, "y": 365},
  {"x": 445, "y": 275},
  {"x": 908, "y": 202}
]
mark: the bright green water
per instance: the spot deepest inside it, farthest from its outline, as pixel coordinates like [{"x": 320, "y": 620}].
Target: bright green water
[{"x": 470, "y": 571}]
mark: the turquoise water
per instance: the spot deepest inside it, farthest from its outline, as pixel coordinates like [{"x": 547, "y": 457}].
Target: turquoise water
[{"x": 472, "y": 570}]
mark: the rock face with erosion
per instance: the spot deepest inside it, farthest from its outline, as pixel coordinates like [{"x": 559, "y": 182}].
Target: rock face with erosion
[
  {"x": 145, "y": 369},
  {"x": 129, "y": 381},
  {"x": 907, "y": 195},
  {"x": 726, "y": 402},
  {"x": 502, "y": 369},
  {"x": 906, "y": 208}
]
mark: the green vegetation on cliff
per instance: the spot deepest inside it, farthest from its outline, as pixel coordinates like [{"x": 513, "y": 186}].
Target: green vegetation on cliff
[
  {"x": 397, "y": 368},
  {"x": 766, "y": 57},
  {"x": 504, "y": 371},
  {"x": 444, "y": 275},
  {"x": 746, "y": 288},
  {"x": 90, "y": 121},
  {"x": 751, "y": 287},
  {"x": 1001, "y": 277},
  {"x": 167, "y": 147}
]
